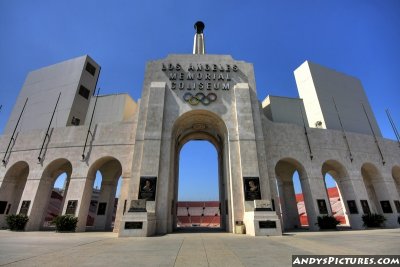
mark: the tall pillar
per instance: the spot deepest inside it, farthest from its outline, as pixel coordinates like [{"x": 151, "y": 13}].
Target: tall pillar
[
  {"x": 313, "y": 187},
  {"x": 107, "y": 195},
  {"x": 290, "y": 203},
  {"x": 243, "y": 150},
  {"x": 347, "y": 187},
  {"x": 35, "y": 212},
  {"x": 386, "y": 191},
  {"x": 147, "y": 155},
  {"x": 246, "y": 147},
  {"x": 80, "y": 189},
  {"x": 122, "y": 201}
]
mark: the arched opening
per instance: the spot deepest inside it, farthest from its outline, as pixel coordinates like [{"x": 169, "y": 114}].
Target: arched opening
[
  {"x": 198, "y": 193},
  {"x": 43, "y": 199},
  {"x": 292, "y": 201},
  {"x": 105, "y": 175},
  {"x": 11, "y": 189},
  {"x": 201, "y": 125},
  {"x": 57, "y": 199},
  {"x": 396, "y": 177},
  {"x": 339, "y": 190},
  {"x": 372, "y": 179}
]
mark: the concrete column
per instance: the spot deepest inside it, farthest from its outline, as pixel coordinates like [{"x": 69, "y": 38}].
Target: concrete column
[
  {"x": 38, "y": 192},
  {"x": 11, "y": 190},
  {"x": 386, "y": 191},
  {"x": 247, "y": 149},
  {"x": 277, "y": 194},
  {"x": 152, "y": 156},
  {"x": 346, "y": 187},
  {"x": 280, "y": 206},
  {"x": 29, "y": 193},
  {"x": 291, "y": 211},
  {"x": 80, "y": 188},
  {"x": 236, "y": 209},
  {"x": 361, "y": 192},
  {"x": 107, "y": 195},
  {"x": 397, "y": 183},
  {"x": 121, "y": 202},
  {"x": 344, "y": 204},
  {"x": 243, "y": 149},
  {"x": 313, "y": 188},
  {"x": 147, "y": 153}
]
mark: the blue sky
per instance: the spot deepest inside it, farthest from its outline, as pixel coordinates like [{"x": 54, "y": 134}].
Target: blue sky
[
  {"x": 360, "y": 38},
  {"x": 198, "y": 172}
]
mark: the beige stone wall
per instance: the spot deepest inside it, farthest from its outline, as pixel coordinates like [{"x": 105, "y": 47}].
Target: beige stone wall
[
  {"x": 247, "y": 142},
  {"x": 110, "y": 142},
  {"x": 288, "y": 142}
]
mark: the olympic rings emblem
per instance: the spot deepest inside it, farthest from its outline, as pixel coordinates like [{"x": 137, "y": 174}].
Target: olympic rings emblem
[{"x": 199, "y": 97}]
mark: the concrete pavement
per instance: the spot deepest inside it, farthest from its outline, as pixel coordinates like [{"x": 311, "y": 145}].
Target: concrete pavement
[{"x": 186, "y": 249}]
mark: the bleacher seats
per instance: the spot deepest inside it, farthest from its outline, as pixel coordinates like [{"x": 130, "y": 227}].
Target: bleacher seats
[{"x": 198, "y": 214}]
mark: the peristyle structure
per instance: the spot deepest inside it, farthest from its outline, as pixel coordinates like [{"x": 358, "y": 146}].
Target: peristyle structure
[{"x": 331, "y": 130}]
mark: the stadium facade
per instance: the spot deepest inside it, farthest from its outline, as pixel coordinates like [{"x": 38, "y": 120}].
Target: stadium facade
[{"x": 58, "y": 125}]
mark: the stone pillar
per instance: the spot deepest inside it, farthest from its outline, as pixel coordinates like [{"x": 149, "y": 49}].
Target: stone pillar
[
  {"x": 290, "y": 203},
  {"x": 280, "y": 205},
  {"x": 107, "y": 195},
  {"x": 346, "y": 186},
  {"x": 38, "y": 191},
  {"x": 80, "y": 189},
  {"x": 386, "y": 191},
  {"x": 244, "y": 151},
  {"x": 147, "y": 154},
  {"x": 122, "y": 202},
  {"x": 276, "y": 194},
  {"x": 11, "y": 189},
  {"x": 313, "y": 188}
]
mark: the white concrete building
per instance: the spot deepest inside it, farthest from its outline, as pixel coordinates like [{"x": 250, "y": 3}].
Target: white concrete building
[
  {"x": 321, "y": 88},
  {"x": 74, "y": 80},
  {"x": 203, "y": 97}
]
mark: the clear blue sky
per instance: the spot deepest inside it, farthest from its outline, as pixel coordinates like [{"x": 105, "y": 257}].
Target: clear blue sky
[{"x": 360, "y": 38}]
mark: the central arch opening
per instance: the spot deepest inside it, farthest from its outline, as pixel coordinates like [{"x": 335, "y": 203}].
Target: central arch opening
[
  {"x": 198, "y": 203},
  {"x": 200, "y": 147}
]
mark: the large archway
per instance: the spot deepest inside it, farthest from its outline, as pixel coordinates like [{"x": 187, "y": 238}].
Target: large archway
[
  {"x": 207, "y": 126},
  {"x": 373, "y": 182},
  {"x": 57, "y": 200},
  {"x": 101, "y": 206},
  {"x": 341, "y": 194},
  {"x": 42, "y": 202},
  {"x": 198, "y": 190},
  {"x": 293, "y": 208},
  {"x": 381, "y": 193},
  {"x": 11, "y": 189}
]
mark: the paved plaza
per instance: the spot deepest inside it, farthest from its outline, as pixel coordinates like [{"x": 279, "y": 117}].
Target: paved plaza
[{"x": 186, "y": 249}]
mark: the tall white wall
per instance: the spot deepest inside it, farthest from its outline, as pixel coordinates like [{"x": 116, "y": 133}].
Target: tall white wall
[
  {"x": 318, "y": 86},
  {"x": 111, "y": 108},
  {"x": 42, "y": 88},
  {"x": 285, "y": 109}
]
